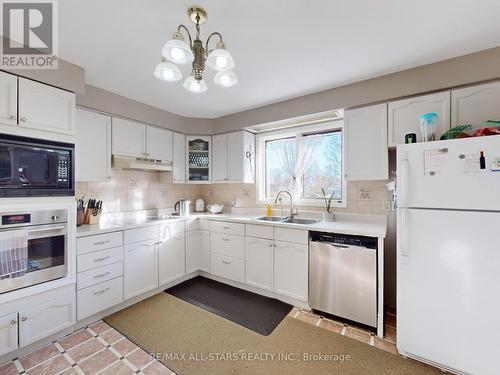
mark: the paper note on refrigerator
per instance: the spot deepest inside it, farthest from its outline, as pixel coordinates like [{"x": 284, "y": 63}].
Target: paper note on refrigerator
[
  {"x": 470, "y": 163},
  {"x": 435, "y": 161}
]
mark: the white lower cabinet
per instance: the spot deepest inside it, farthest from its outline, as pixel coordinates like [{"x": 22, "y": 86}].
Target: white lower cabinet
[
  {"x": 291, "y": 270},
  {"x": 227, "y": 267},
  {"x": 140, "y": 268},
  {"x": 197, "y": 251},
  {"x": 99, "y": 297},
  {"x": 259, "y": 262},
  {"x": 8, "y": 333},
  {"x": 43, "y": 320},
  {"x": 171, "y": 258}
]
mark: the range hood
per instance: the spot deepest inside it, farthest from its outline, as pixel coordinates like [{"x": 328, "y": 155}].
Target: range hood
[{"x": 130, "y": 162}]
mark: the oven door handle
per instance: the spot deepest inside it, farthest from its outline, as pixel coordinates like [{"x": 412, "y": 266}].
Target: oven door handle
[{"x": 46, "y": 229}]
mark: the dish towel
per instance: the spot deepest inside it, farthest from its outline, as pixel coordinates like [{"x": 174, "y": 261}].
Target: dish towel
[{"x": 13, "y": 254}]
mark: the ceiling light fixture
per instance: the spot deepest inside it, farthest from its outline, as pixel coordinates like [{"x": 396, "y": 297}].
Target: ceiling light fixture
[{"x": 178, "y": 51}]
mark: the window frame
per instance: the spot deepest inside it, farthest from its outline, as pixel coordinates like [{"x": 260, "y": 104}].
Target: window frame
[{"x": 323, "y": 127}]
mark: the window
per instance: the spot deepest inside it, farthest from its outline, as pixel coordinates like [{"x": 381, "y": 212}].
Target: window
[{"x": 303, "y": 161}]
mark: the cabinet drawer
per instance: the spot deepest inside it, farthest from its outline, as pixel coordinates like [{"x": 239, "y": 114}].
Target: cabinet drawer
[
  {"x": 227, "y": 227},
  {"x": 99, "y": 297},
  {"x": 140, "y": 234},
  {"x": 291, "y": 235},
  {"x": 168, "y": 230},
  {"x": 259, "y": 231},
  {"x": 227, "y": 244},
  {"x": 99, "y": 275},
  {"x": 99, "y": 242},
  {"x": 228, "y": 267},
  {"x": 99, "y": 258}
]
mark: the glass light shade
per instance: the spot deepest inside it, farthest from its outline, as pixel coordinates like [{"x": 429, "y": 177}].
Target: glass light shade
[
  {"x": 166, "y": 71},
  {"x": 226, "y": 78},
  {"x": 220, "y": 59},
  {"x": 195, "y": 86},
  {"x": 177, "y": 51}
]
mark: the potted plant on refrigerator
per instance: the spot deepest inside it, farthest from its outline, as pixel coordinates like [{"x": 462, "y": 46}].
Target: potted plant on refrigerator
[{"x": 328, "y": 215}]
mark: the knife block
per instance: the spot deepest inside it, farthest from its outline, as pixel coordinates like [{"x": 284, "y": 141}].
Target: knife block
[{"x": 90, "y": 218}]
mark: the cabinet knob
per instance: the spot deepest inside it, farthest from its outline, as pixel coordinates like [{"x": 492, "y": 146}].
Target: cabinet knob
[
  {"x": 24, "y": 119},
  {"x": 23, "y": 319},
  {"x": 13, "y": 322},
  {"x": 12, "y": 117}
]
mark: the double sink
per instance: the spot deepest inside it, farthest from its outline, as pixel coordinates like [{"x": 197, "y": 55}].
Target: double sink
[{"x": 292, "y": 220}]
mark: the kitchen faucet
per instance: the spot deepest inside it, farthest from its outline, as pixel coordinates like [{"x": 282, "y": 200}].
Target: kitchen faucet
[{"x": 291, "y": 215}]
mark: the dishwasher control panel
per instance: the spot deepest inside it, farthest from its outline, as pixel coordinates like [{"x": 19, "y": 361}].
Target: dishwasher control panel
[{"x": 344, "y": 239}]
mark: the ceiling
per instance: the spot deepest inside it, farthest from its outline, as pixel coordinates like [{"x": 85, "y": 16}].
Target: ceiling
[{"x": 283, "y": 48}]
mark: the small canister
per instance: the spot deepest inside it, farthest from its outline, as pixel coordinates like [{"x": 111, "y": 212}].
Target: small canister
[{"x": 199, "y": 205}]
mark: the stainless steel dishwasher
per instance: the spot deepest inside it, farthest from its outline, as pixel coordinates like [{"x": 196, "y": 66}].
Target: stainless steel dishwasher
[{"x": 343, "y": 276}]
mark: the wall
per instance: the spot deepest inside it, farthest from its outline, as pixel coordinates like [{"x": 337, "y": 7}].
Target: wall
[
  {"x": 108, "y": 102},
  {"x": 137, "y": 190},
  {"x": 477, "y": 67}
]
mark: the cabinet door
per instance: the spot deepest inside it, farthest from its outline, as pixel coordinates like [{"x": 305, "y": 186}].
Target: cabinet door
[
  {"x": 158, "y": 143},
  {"x": 241, "y": 157},
  {"x": 129, "y": 138},
  {"x": 8, "y": 99},
  {"x": 171, "y": 258},
  {"x": 404, "y": 115},
  {"x": 291, "y": 270},
  {"x": 140, "y": 269},
  {"x": 475, "y": 105},
  {"x": 199, "y": 159},
  {"x": 47, "y": 319},
  {"x": 93, "y": 146},
  {"x": 8, "y": 333},
  {"x": 259, "y": 262},
  {"x": 46, "y": 108},
  {"x": 366, "y": 155},
  {"x": 179, "y": 159},
  {"x": 197, "y": 249},
  {"x": 220, "y": 157}
]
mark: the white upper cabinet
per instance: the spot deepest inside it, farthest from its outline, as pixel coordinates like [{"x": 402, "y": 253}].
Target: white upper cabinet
[
  {"x": 233, "y": 157},
  {"x": 199, "y": 159},
  {"x": 366, "y": 153},
  {"x": 158, "y": 143},
  {"x": 129, "y": 138},
  {"x": 220, "y": 158},
  {"x": 93, "y": 146},
  {"x": 179, "y": 159},
  {"x": 475, "y": 105},
  {"x": 8, "y": 99},
  {"x": 404, "y": 116},
  {"x": 43, "y": 107},
  {"x": 241, "y": 157}
]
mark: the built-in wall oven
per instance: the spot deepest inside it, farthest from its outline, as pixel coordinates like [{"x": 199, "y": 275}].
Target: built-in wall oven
[
  {"x": 34, "y": 167},
  {"x": 33, "y": 248}
]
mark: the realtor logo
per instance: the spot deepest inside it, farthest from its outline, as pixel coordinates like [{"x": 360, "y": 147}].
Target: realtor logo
[{"x": 30, "y": 35}]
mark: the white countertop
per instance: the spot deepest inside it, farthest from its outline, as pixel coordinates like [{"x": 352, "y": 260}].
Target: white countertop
[{"x": 354, "y": 224}]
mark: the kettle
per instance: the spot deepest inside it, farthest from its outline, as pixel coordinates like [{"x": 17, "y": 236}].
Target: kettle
[{"x": 182, "y": 207}]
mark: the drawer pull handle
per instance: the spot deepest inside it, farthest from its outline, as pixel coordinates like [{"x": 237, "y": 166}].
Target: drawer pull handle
[
  {"x": 226, "y": 262},
  {"x": 101, "y": 259},
  {"x": 226, "y": 239},
  {"x": 101, "y": 243},
  {"x": 224, "y": 227},
  {"x": 23, "y": 319},
  {"x": 12, "y": 117},
  {"x": 24, "y": 119},
  {"x": 178, "y": 238},
  {"x": 13, "y": 322},
  {"x": 101, "y": 275},
  {"x": 101, "y": 291}
]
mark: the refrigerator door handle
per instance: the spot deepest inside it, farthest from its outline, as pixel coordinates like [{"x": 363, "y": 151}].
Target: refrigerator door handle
[
  {"x": 404, "y": 250},
  {"x": 403, "y": 183}
]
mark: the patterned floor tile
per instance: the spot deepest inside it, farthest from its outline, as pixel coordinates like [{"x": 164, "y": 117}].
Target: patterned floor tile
[
  {"x": 124, "y": 346},
  {"x": 74, "y": 339},
  {"x": 331, "y": 325},
  {"x": 139, "y": 358},
  {"x": 38, "y": 356},
  {"x": 157, "y": 368},
  {"x": 52, "y": 366},
  {"x": 85, "y": 350},
  {"x": 8, "y": 369},
  {"x": 111, "y": 336},
  {"x": 99, "y": 327},
  {"x": 118, "y": 368},
  {"x": 307, "y": 317},
  {"x": 97, "y": 362}
]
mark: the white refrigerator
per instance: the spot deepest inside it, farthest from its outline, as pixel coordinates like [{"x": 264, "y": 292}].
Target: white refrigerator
[{"x": 448, "y": 252}]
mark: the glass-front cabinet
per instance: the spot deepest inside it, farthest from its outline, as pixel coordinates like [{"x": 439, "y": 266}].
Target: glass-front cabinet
[{"x": 198, "y": 160}]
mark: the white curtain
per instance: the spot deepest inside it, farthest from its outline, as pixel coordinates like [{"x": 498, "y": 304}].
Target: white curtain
[{"x": 295, "y": 161}]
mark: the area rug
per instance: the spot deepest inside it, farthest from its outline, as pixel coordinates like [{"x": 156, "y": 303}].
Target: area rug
[
  {"x": 253, "y": 311},
  {"x": 193, "y": 341}
]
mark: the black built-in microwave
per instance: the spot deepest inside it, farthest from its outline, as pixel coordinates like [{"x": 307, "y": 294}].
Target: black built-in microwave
[{"x": 34, "y": 167}]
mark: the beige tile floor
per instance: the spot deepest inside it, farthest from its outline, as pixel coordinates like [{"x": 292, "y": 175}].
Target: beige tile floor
[
  {"x": 99, "y": 349},
  {"x": 388, "y": 343}
]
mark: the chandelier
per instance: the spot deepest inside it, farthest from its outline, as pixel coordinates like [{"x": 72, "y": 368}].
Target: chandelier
[{"x": 178, "y": 52}]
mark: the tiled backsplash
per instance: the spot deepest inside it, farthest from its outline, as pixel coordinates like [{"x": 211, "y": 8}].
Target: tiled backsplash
[
  {"x": 365, "y": 197},
  {"x": 130, "y": 190}
]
